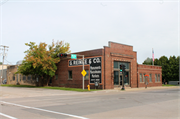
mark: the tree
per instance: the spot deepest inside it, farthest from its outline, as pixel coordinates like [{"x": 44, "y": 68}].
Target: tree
[
  {"x": 170, "y": 67},
  {"x": 41, "y": 61},
  {"x": 148, "y": 61},
  {"x": 174, "y": 68},
  {"x": 163, "y": 61}
]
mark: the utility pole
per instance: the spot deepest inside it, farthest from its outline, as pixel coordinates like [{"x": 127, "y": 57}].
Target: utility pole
[{"x": 4, "y": 49}]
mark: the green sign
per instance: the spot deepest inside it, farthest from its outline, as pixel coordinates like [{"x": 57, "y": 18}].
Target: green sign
[{"x": 73, "y": 56}]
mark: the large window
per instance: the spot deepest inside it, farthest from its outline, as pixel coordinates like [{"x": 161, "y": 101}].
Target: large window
[
  {"x": 56, "y": 76},
  {"x": 13, "y": 76},
  {"x": 150, "y": 77},
  {"x": 159, "y": 77},
  {"x": 29, "y": 77},
  {"x": 117, "y": 64},
  {"x": 70, "y": 74},
  {"x": 144, "y": 78},
  {"x": 24, "y": 77},
  {"x": 20, "y": 77},
  {"x": 119, "y": 77},
  {"x": 140, "y": 77},
  {"x": 17, "y": 77},
  {"x": 87, "y": 75},
  {"x": 155, "y": 77}
]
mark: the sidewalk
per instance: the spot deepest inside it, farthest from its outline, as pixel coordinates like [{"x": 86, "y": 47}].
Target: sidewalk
[{"x": 139, "y": 89}]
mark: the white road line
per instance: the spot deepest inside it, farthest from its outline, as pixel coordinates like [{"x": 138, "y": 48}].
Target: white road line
[
  {"x": 75, "y": 116},
  {"x": 7, "y": 116}
]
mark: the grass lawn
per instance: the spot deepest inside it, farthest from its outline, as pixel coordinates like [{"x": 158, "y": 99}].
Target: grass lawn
[
  {"x": 169, "y": 85},
  {"x": 56, "y": 88}
]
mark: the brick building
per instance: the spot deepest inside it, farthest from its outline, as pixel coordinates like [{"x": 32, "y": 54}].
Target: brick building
[
  {"x": 103, "y": 66},
  {"x": 14, "y": 79}
]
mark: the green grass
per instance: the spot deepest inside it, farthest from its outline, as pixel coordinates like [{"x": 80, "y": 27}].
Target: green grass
[
  {"x": 49, "y": 87},
  {"x": 169, "y": 85},
  {"x": 26, "y": 86}
]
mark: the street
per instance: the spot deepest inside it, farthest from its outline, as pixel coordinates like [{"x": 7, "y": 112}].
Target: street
[{"x": 36, "y": 103}]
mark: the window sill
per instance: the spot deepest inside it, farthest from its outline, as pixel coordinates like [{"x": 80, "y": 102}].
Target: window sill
[
  {"x": 70, "y": 79},
  {"x": 86, "y": 79}
]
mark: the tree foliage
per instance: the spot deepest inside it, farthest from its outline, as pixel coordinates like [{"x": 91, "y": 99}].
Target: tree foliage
[
  {"x": 40, "y": 60},
  {"x": 170, "y": 67},
  {"x": 148, "y": 61}
]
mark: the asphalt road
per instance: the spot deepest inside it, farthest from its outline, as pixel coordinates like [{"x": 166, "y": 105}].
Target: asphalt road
[{"x": 34, "y": 103}]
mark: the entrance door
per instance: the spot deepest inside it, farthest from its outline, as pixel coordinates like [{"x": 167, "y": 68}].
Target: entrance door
[{"x": 116, "y": 77}]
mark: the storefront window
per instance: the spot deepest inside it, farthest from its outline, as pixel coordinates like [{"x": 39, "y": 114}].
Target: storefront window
[
  {"x": 119, "y": 76},
  {"x": 116, "y": 65},
  {"x": 126, "y": 78}
]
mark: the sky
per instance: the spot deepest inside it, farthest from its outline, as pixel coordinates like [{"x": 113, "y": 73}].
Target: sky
[{"x": 90, "y": 24}]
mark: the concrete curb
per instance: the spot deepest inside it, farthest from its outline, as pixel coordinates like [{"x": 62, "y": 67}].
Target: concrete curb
[{"x": 139, "y": 89}]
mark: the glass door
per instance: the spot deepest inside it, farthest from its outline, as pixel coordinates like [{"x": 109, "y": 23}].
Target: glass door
[{"x": 116, "y": 77}]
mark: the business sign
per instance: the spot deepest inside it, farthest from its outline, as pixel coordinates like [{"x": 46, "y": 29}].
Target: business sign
[{"x": 95, "y": 67}]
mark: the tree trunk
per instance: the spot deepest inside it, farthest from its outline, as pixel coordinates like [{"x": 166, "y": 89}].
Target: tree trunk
[{"x": 48, "y": 77}]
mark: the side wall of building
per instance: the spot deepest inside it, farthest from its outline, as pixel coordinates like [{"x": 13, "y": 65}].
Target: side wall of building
[
  {"x": 149, "y": 69},
  {"x": 14, "y": 79},
  {"x": 76, "y": 81}
]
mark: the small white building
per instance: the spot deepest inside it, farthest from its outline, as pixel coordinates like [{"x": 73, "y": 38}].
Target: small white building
[{"x": 4, "y": 71}]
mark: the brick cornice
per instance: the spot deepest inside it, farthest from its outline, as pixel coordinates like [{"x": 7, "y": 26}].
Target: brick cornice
[{"x": 122, "y": 55}]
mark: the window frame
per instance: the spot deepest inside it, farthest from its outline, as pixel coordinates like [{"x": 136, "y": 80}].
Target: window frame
[
  {"x": 56, "y": 76},
  {"x": 28, "y": 77},
  {"x": 70, "y": 78},
  {"x": 140, "y": 77},
  {"x": 156, "y": 78},
  {"x": 150, "y": 78},
  {"x": 24, "y": 77},
  {"x": 14, "y": 78},
  {"x": 144, "y": 78}
]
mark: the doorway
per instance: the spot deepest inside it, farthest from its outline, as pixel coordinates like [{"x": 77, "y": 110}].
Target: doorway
[{"x": 118, "y": 77}]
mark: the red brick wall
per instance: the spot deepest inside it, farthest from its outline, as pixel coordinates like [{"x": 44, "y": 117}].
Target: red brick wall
[
  {"x": 149, "y": 69},
  {"x": 119, "y": 52},
  {"x": 111, "y": 53},
  {"x": 76, "y": 81}
]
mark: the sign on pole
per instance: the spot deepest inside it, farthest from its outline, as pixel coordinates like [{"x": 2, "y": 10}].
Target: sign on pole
[
  {"x": 83, "y": 73},
  {"x": 73, "y": 56}
]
